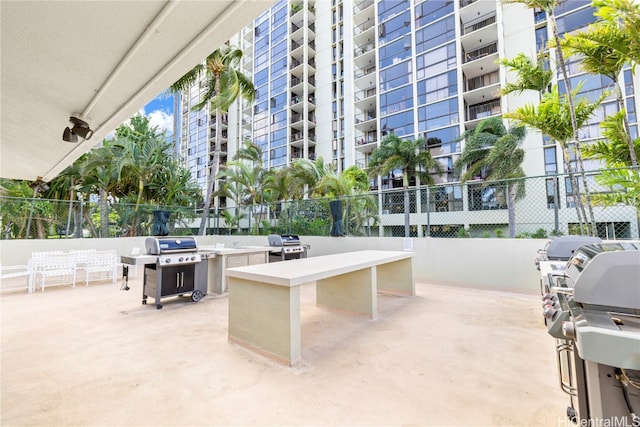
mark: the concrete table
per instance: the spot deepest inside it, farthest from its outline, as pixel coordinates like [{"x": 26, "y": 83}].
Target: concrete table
[{"x": 264, "y": 299}]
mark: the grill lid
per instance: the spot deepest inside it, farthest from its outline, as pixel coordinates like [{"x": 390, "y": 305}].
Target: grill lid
[
  {"x": 562, "y": 248},
  {"x": 606, "y": 274},
  {"x": 283, "y": 239},
  {"x": 167, "y": 245}
]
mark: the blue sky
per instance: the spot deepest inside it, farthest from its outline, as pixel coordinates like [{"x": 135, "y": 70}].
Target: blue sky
[{"x": 160, "y": 112}]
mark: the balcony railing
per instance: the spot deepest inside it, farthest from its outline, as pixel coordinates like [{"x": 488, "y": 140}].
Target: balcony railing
[
  {"x": 364, "y": 49},
  {"x": 364, "y": 94},
  {"x": 483, "y": 80},
  {"x": 478, "y": 23},
  {"x": 365, "y": 141},
  {"x": 480, "y": 111},
  {"x": 362, "y": 73},
  {"x": 364, "y": 27},
  {"x": 481, "y": 52},
  {"x": 360, "y": 6},
  {"x": 464, "y": 3},
  {"x": 366, "y": 116}
]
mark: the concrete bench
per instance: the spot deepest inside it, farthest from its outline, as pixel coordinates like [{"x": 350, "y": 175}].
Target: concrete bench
[{"x": 264, "y": 299}]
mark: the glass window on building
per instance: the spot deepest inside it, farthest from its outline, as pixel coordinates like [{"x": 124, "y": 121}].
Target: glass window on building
[
  {"x": 628, "y": 82},
  {"x": 435, "y": 34},
  {"x": 395, "y": 27},
  {"x": 279, "y": 66},
  {"x": 487, "y": 197},
  {"x": 541, "y": 39},
  {"x": 449, "y": 175},
  {"x": 395, "y": 76},
  {"x": 550, "y": 161},
  {"x": 552, "y": 193},
  {"x": 261, "y": 77},
  {"x": 279, "y": 33},
  {"x": 442, "y": 198},
  {"x": 578, "y": 19},
  {"x": 613, "y": 230},
  {"x": 436, "y": 61},
  {"x": 429, "y": 11},
  {"x": 278, "y": 84},
  {"x": 396, "y": 100},
  {"x": 399, "y": 124},
  {"x": 438, "y": 87},
  {"x": 387, "y": 8},
  {"x": 439, "y": 114},
  {"x": 566, "y": 6},
  {"x": 445, "y": 136},
  {"x": 570, "y": 201},
  {"x": 279, "y": 50},
  {"x": 395, "y": 51},
  {"x": 631, "y": 110}
]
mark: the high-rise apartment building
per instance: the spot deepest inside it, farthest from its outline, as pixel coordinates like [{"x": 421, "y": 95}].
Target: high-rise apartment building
[{"x": 333, "y": 78}]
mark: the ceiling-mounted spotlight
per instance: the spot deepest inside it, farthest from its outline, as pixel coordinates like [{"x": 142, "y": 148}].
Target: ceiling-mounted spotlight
[
  {"x": 80, "y": 129},
  {"x": 69, "y": 136}
]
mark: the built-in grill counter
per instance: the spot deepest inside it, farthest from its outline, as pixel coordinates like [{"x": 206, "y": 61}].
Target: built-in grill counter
[
  {"x": 216, "y": 259},
  {"x": 174, "y": 271},
  {"x": 592, "y": 309},
  {"x": 286, "y": 247}
]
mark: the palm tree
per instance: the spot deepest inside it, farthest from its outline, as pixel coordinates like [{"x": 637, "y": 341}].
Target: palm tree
[
  {"x": 139, "y": 155},
  {"x": 623, "y": 181},
  {"x": 530, "y": 75},
  {"x": 599, "y": 51},
  {"x": 353, "y": 181},
  {"x": 224, "y": 83},
  {"x": 408, "y": 156},
  {"x": 613, "y": 150},
  {"x": 548, "y": 6},
  {"x": 552, "y": 117},
  {"x": 494, "y": 152},
  {"x": 624, "y": 14}
]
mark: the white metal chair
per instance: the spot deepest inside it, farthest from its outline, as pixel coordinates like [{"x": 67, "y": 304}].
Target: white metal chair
[
  {"x": 100, "y": 262},
  {"x": 10, "y": 275},
  {"x": 60, "y": 265}
]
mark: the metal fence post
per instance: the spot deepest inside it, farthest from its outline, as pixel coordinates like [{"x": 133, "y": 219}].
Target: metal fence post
[{"x": 428, "y": 231}]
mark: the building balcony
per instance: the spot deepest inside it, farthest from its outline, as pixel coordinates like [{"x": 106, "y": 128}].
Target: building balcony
[
  {"x": 362, "y": 95},
  {"x": 484, "y": 110},
  {"x": 478, "y": 23},
  {"x": 480, "y": 52},
  {"x": 364, "y": 27},
  {"x": 362, "y": 6},
  {"x": 366, "y": 145},
  {"x": 364, "y": 49},
  {"x": 478, "y": 82},
  {"x": 465, "y": 3}
]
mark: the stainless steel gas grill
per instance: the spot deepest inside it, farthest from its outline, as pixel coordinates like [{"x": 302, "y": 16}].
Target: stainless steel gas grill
[
  {"x": 562, "y": 248},
  {"x": 286, "y": 247},
  {"x": 592, "y": 309},
  {"x": 174, "y": 272}
]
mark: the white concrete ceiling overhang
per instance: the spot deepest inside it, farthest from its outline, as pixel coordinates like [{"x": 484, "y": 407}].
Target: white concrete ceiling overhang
[{"x": 104, "y": 60}]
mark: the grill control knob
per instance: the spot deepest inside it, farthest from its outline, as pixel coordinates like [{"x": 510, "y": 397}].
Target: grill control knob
[
  {"x": 180, "y": 259},
  {"x": 168, "y": 260},
  {"x": 193, "y": 258},
  {"x": 569, "y": 329},
  {"x": 549, "y": 313}
]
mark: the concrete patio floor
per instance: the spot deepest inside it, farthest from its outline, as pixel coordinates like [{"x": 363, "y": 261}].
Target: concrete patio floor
[{"x": 451, "y": 356}]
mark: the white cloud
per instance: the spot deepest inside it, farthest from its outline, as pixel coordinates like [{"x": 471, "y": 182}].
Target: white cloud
[{"x": 161, "y": 119}]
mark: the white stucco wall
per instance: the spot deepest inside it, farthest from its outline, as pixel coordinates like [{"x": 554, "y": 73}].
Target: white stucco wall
[{"x": 492, "y": 263}]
